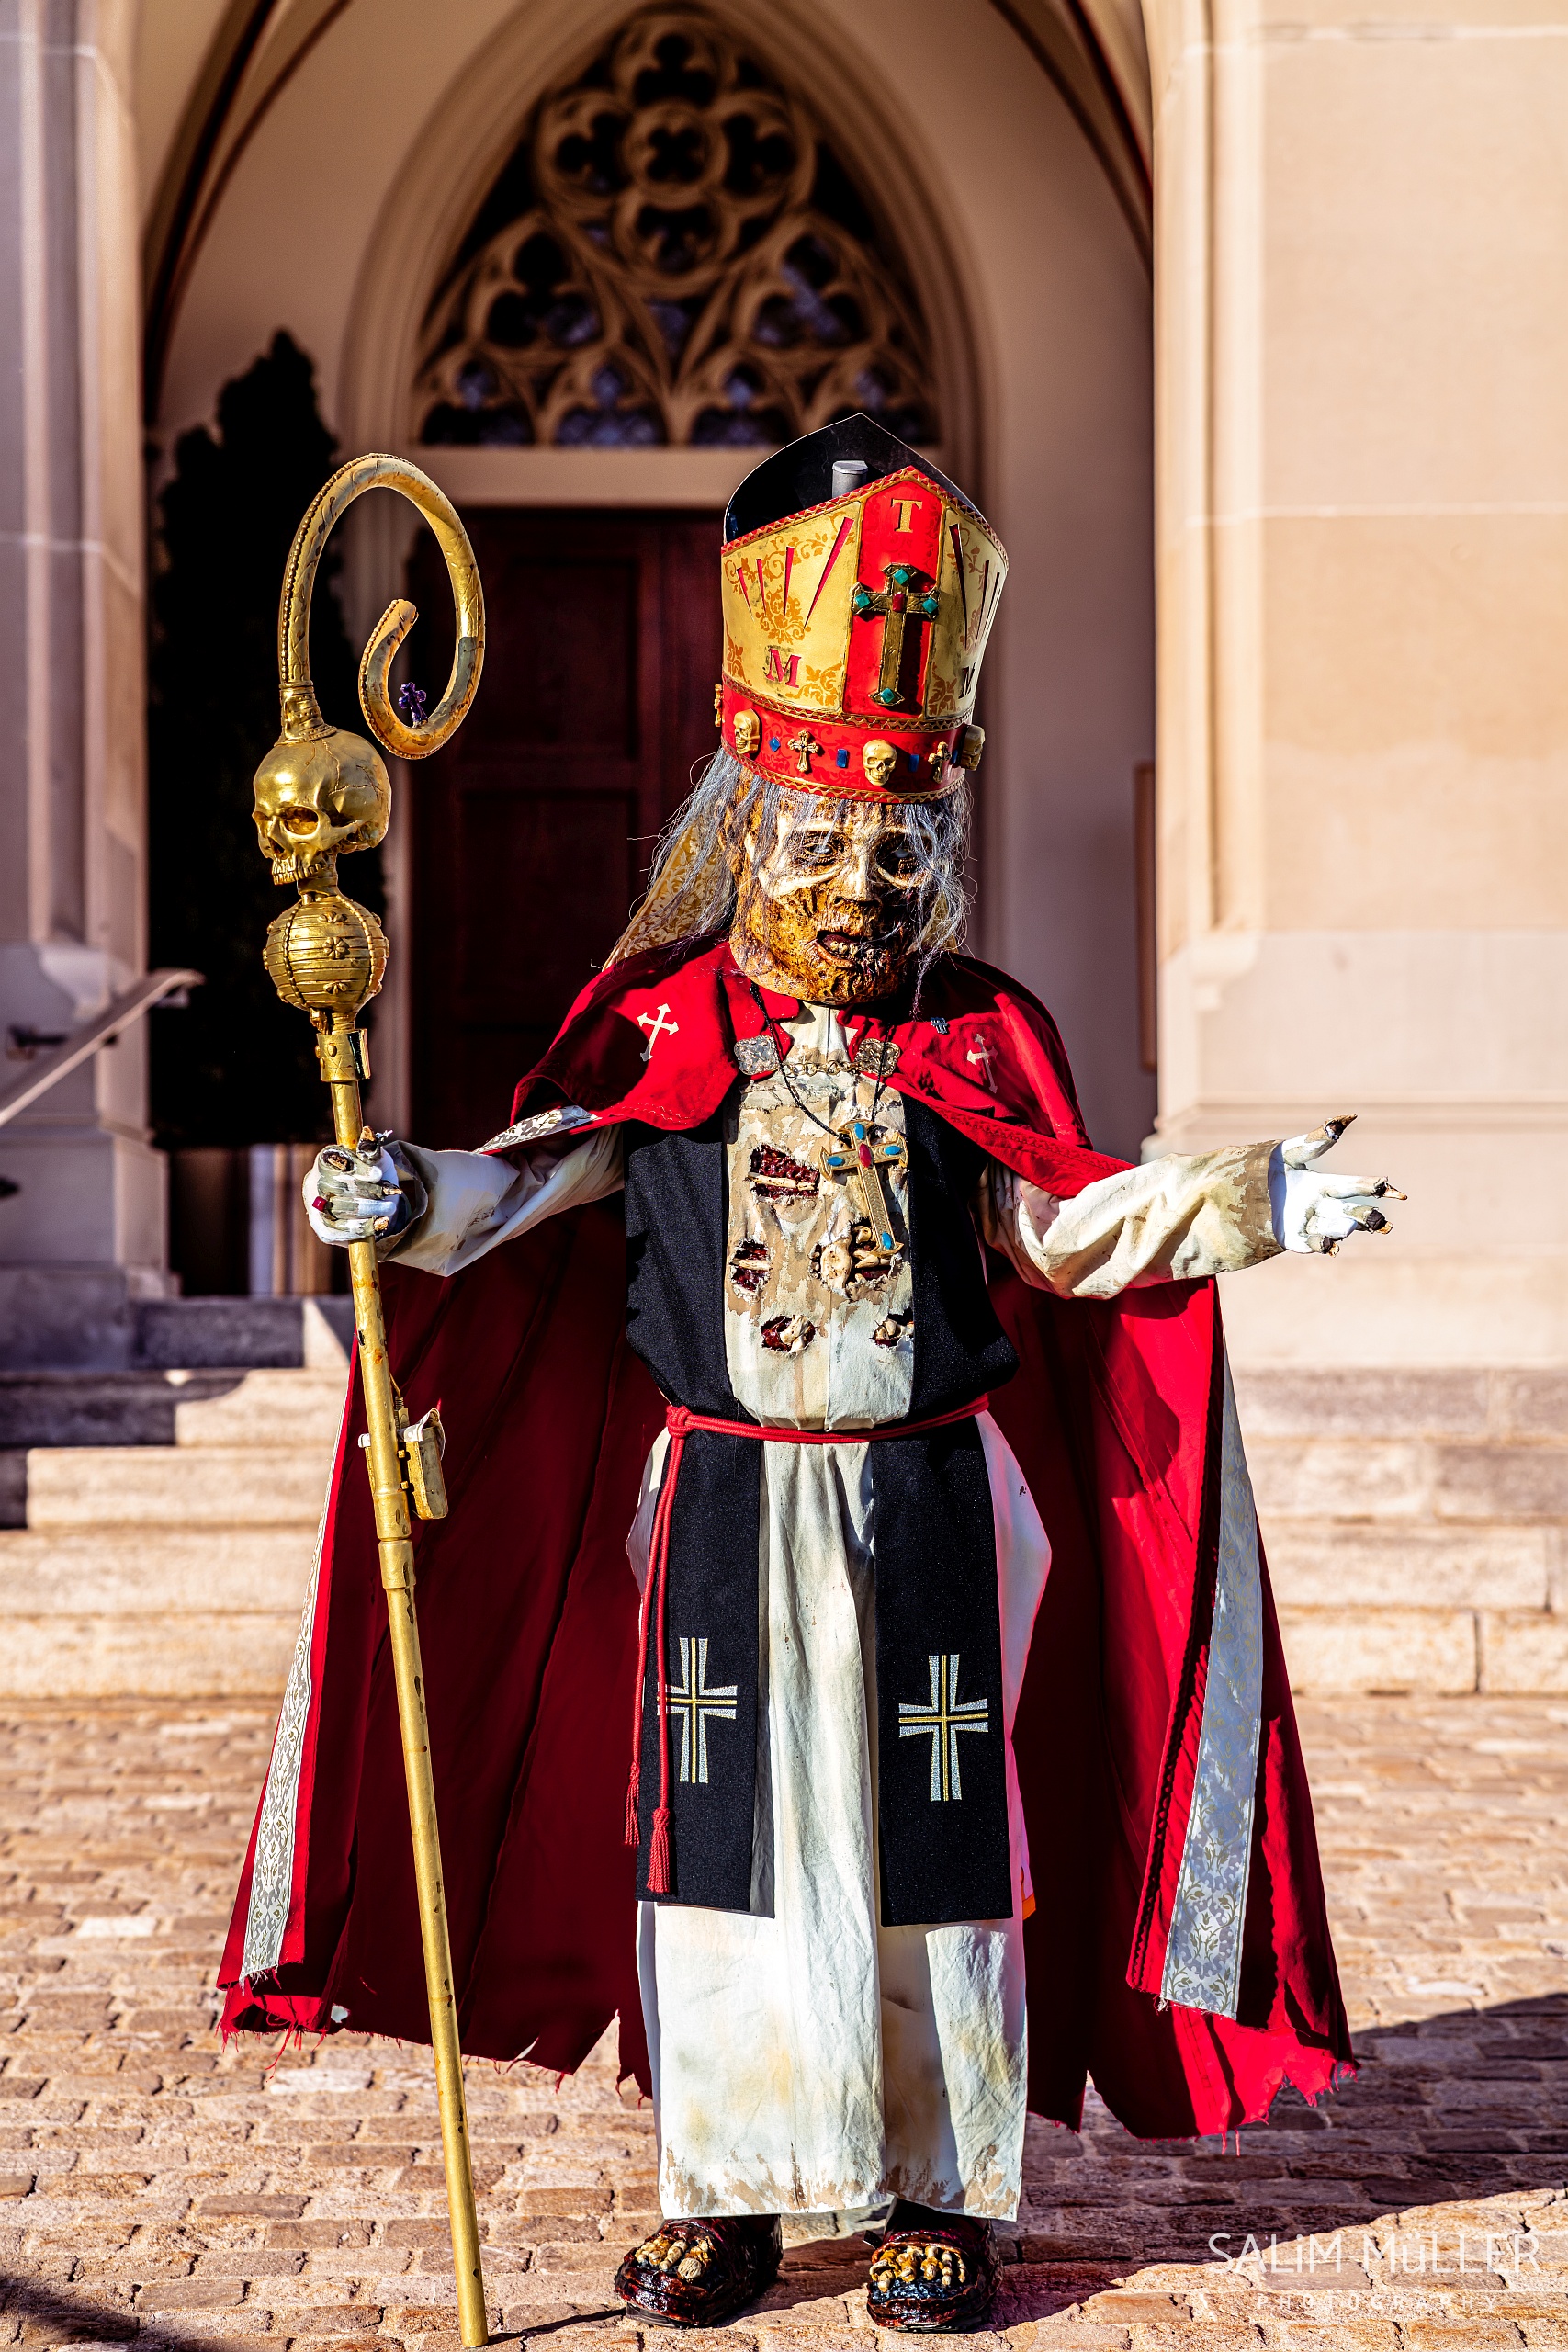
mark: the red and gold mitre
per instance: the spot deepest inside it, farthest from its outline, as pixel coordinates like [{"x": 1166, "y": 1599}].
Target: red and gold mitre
[{"x": 859, "y": 590}]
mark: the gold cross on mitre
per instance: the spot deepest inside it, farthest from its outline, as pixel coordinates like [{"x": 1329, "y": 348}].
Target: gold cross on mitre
[
  {"x": 803, "y": 745},
  {"x": 858, "y": 1156},
  {"x": 899, "y": 601}
]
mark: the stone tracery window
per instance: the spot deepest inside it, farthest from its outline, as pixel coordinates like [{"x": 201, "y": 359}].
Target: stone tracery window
[{"x": 673, "y": 254}]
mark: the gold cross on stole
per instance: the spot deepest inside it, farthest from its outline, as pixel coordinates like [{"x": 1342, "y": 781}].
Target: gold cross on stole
[
  {"x": 897, "y": 603},
  {"x": 942, "y": 1722}
]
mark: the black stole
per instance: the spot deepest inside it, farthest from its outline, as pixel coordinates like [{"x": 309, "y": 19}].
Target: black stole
[{"x": 941, "y": 1776}]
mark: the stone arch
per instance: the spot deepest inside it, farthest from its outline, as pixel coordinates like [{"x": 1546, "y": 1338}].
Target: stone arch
[
  {"x": 674, "y": 254},
  {"x": 415, "y": 260}
]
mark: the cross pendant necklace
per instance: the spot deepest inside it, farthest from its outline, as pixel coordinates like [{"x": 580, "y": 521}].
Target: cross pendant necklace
[
  {"x": 860, "y": 1159},
  {"x": 854, "y": 1157}
]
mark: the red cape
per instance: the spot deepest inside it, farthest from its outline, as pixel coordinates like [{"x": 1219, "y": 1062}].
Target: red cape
[{"x": 528, "y": 1621}]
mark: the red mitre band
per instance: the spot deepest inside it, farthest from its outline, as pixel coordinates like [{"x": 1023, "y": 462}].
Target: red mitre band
[
  {"x": 844, "y": 759},
  {"x": 855, "y": 628}
]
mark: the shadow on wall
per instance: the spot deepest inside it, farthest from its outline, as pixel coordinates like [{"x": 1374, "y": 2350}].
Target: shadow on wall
[{"x": 237, "y": 1067}]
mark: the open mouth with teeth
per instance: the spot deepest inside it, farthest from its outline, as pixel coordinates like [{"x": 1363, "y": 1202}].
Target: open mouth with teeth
[{"x": 854, "y": 946}]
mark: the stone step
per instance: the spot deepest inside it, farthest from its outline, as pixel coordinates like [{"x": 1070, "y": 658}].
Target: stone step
[
  {"x": 1324, "y": 1562},
  {"x": 174, "y": 1487},
  {"x": 187, "y": 1334},
  {"x": 1441, "y": 1402},
  {"x": 164, "y": 1517},
  {"x": 55, "y": 1318},
  {"x": 1409, "y": 1478},
  {"x": 113, "y": 1612},
  {"x": 114, "y": 1571},
  {"x": 264, "y": 1408},
  {"x": 176, "y": 1407},
  {"x": 1417, "y": 1525},
  {"x": 1338, "y": 1651},
  {"x": 233, "y": 1654}
]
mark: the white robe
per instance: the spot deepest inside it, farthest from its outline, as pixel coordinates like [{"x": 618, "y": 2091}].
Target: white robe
[{"x": 806, "y": 2057}]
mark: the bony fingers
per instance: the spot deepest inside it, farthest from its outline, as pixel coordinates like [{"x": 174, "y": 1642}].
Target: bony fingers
[
  {"x": 362, "y": 1184},
  {"x": 1357, "y": 1196},
  {"x": 344, "y": 1209},
  {"x": 1299, "y": 1151},
  {"x": 1333, "y": 1221},
  {"x": 372, "y": 1165},
  {"x": 1346, "y": 1188},
  {"x": 1361, "y": 1188}
]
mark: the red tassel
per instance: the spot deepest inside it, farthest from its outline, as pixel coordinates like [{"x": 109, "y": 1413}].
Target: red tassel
[
  {"x": 659, "y": 1853},
  {"x": 631, "y": 1803}
]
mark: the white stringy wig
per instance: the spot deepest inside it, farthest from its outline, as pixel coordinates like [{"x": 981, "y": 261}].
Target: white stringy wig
[{"x": 691, "y": 886}]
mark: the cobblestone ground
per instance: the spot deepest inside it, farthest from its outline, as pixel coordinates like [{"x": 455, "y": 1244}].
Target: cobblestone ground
[{"x": 160, "y": 2191}]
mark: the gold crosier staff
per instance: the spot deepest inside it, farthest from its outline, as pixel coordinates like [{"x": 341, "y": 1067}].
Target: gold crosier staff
[{"x": 319, "y": 792}]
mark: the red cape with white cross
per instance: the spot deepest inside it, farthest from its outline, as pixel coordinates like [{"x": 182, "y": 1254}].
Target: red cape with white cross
[{"x": 527, "y": 1615}]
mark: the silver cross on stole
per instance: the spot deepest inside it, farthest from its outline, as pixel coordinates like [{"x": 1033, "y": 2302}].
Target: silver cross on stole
[
  {"x": 942, "y": 1722},
  {"x": 695, "y": 1700},
  {"x": 855, "y": 1156}
]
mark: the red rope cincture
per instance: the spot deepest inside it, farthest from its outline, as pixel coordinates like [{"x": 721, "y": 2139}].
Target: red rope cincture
[{"x": 680, "y": 1422}]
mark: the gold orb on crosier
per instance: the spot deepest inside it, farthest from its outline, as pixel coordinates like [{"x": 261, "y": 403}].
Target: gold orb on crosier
[{"x": 326, "y": 953}]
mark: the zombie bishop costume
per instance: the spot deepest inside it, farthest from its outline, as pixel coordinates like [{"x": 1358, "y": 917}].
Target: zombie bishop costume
[{"x": 849, "y": 1658}]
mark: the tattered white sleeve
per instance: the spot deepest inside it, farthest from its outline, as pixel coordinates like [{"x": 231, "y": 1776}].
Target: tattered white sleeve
[
  {"x": 1171, "y": 1220},
  {"x": 478, "y": 1200}
]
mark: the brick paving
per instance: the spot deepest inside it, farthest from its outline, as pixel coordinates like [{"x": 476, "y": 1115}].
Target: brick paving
[{"x": 157, "y": 2190}]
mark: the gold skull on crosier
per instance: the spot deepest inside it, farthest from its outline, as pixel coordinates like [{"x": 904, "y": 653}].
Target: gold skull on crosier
[{"x": 316, "y": 799}]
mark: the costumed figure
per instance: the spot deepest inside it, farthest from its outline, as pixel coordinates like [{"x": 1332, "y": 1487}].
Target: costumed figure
[{"x": 962, "y": 1760}]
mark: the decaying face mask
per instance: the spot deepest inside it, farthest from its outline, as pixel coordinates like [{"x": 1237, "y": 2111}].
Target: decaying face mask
[{"x": 832, "y": 912}]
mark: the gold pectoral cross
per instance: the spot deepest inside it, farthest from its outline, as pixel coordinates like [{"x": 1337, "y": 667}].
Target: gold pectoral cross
[
  {"x": 899, "y": 601},
  {"x": 858, "y": 1158}
]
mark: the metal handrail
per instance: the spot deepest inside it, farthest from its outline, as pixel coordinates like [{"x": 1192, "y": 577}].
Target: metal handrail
[{"x": 101, "y": 1029}]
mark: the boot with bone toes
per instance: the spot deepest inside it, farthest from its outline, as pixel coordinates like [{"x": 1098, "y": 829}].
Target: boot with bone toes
[
  {"x": 697, "y": 2273},
  {"x": 933, "y": 2273}
]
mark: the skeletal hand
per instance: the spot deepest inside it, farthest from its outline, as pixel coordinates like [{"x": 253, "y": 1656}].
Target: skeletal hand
[
  {"x": 1314, "y": 1213},
  {"x": 362, "y": 1196}
]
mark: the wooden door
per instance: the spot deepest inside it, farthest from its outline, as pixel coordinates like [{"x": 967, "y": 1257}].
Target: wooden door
[{"x": 533, "y": 831}]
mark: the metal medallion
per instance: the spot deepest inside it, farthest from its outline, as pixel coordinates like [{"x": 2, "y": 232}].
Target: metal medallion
[{"x": 756, "y": 1056}]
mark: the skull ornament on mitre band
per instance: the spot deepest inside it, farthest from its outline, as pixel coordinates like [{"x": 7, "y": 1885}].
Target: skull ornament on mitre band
[{"x": 859, "y": 589}]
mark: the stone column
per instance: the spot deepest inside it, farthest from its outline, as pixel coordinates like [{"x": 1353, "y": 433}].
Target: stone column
[
  {"x": 84, "y": 1232},
  {"x": 1363, "y": 782},
  {"x": 1363, "y": 575}
]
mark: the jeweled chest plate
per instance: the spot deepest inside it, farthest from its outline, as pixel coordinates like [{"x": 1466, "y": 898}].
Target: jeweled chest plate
[{"x": 818, "y": 1314}]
